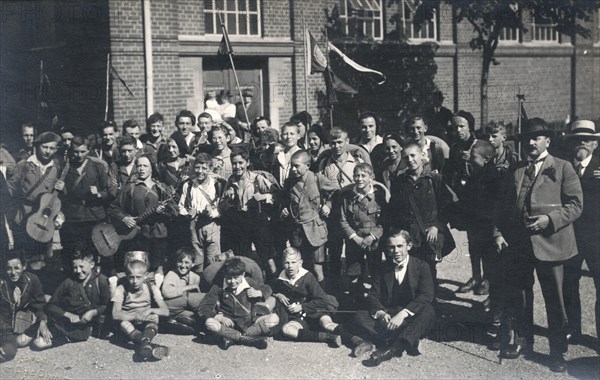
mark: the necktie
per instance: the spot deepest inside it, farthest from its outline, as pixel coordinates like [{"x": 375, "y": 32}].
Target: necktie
[
  {"x": 579, "y": 170},
  {"x": 530, "y": 171}
]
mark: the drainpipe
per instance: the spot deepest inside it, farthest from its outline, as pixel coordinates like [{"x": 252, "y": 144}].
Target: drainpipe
[{"x": 148, "y": 67}]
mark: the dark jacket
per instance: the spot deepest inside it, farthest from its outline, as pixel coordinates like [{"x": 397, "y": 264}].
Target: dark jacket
[
  {"x": 32, "y": 299},
  {"x": 308, "y": 293},
  {"x": 68, "y": 297},
  {"x": 432, "y": 199},
  {"x": 217, "y": 300},
  {"x": 420, "y": 282},
  {"x": 588, "y": 224},
  {"x": 78, "y": 203}
]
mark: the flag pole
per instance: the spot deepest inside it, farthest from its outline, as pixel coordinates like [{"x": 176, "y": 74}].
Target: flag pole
[
  {"x": 519, "y": 118},
  {"x": 306, "y": 64},
  {"x": 40, "y": 92},
  {"x": 328, "y": 67},
  {"x": 237, "y": 81},
  {"x": 107, "y": 86}
]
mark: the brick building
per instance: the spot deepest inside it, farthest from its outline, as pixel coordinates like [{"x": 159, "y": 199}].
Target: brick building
[{"x": 558, "y": 75}]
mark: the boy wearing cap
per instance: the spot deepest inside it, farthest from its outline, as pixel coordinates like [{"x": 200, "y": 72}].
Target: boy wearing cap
[
  {"x": 199, "y": 200},
  {"x": 33, "y": 177},
  {"x": 533, "y": 220},
  {"x": 252, "y": 112}
]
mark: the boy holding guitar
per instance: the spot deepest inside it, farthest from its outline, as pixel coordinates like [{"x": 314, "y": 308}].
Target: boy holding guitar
[
  {"x": 84, "y": 196},
  {"x": 136, "y": 198},
  {"x": 32, "y": 178}
]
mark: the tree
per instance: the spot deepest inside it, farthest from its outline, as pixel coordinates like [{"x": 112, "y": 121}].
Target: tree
[{"x": 490, "y": 17}]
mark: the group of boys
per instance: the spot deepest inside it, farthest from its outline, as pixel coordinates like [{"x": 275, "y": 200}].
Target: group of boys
[{"x": 274, "y": 211}]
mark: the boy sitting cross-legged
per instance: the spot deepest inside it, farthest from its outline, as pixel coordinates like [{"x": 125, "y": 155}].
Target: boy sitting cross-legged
[
  {"x": 78, "y": 300},
  {"x": 22, "y": 317},
  {"x": 132, "y": 308},
  {"x": 302, "y": 304},
  {"x": 228, "y": 308},
  {"x": 181, "y": 291}
]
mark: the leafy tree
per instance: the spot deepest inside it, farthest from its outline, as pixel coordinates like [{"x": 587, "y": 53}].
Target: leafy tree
[
  {"x": 490, "y": 17},
  {"x": 409, "y": 69}
]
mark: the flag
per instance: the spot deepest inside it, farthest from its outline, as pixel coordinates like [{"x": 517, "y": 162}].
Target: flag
[
  {"x": 341, "y": 86},
  {"x": 329, "y": 86},
  {"x": 115, "y": 74},
  {"x": 225, "y": 45},
  {"x": 524, "y": 117},
  {"x": 355, "y": 65},
  {"x": 315, "y": 57}
]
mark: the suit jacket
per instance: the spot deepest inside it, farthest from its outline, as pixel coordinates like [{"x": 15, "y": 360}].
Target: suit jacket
[
  {"x": 588, "y": 225},
  {"x": 419, "y": 279},
  {"x": 557, "y": 194}
]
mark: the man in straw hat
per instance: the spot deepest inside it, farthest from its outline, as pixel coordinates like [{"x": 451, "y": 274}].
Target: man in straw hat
[
  {"x": 533, "y": 221},
  {"x": 584, "y": 140}
]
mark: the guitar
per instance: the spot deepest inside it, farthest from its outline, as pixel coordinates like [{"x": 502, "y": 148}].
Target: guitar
[
  {"x": 107, "y": 238},
  {"x": 40, "y": 225}
]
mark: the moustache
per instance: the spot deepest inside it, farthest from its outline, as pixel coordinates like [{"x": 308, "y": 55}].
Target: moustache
[{"x": 580, "y": 147}]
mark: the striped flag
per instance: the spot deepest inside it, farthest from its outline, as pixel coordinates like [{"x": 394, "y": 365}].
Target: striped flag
[{"x": 355, "y": 65}]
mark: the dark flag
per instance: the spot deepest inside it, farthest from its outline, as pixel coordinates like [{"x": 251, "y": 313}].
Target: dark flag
[
  {"x": 524, "y": 117},
  {"x": 225, "y": 45},
  {"x": 115, "y": 74},
  {"x": 329, "y": 85}
]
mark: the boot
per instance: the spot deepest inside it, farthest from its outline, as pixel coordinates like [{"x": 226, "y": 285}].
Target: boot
[
  {"x": 254, "y": 341},
  {"x": 149, "y": 334},
  {"x": 159, "y": 352}
]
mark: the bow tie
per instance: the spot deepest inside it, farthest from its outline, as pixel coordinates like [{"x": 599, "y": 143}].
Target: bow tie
[{"x": 399, "y": 267}]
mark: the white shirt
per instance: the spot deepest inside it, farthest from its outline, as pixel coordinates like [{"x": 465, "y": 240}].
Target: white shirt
[
  {"x": 584, "y": 164},
  {"x": 292, "y": 281},
  {"x": 401, "y": 273},
  {"x": 284, "y": 162},
  {"x": 34, "y": 160},
  {"x": 241, "y": 287},
  {"x": 539, "y": 161},
  {"x": 198, "y": 201}
]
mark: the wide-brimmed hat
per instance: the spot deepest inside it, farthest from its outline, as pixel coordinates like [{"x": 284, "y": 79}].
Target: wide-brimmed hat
[
  {"x": 584, "y": 128},
  {"x": 535, "y": 127}
]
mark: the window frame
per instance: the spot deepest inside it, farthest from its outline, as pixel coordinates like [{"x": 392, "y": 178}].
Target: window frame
[
  {"x": 237, "y": 12},
  {"x": 534, "y": 32},
  {"x": 370, "y": 6},
  {"x": 411, "y": 38}
]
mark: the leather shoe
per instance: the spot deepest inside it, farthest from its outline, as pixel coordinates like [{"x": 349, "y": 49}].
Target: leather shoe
[
  {"x": 482, "y": 289},
  {"x": 467, "y": 286},
  {"x": 382, "y": 355},
  {"x": 254, "y": 341},
  {"x": 558, "y": 364},
  {"x": 225, "y": 343},
  {"x": 515, "y": 351}
]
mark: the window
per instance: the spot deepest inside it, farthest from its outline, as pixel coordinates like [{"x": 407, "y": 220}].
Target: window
[
  {"x": 362, "y": 18},
  {"x": 509, "y": 35},
  {"x": 543, "y": 30},
  {"x": 241, "y": 17},
  {"x": 427, "y": 30}
]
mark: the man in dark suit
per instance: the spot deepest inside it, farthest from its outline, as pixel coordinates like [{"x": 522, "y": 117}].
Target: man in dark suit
[
  {"x": 534, "y": 219},
  {"x": 398, "y": 309},
  {"x": 587, "y": 228}
]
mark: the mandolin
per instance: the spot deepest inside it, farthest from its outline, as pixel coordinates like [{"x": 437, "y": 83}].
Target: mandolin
[
  {"x": 107, "y": 238},
  {"x": 40, "y": 225}
]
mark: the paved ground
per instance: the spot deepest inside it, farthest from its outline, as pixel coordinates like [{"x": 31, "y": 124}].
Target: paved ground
[{"x": 457, "y": 350}]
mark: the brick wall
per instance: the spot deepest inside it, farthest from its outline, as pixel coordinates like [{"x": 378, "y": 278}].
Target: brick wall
[{"x": 542, "y": 73}]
